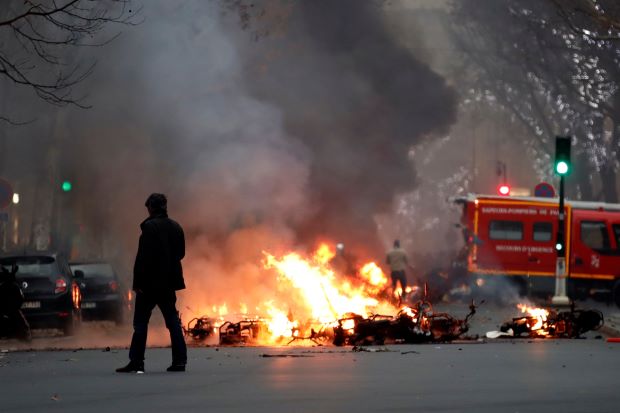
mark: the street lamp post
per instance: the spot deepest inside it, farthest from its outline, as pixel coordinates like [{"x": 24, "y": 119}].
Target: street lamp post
[{"x": 560, "y": 297}]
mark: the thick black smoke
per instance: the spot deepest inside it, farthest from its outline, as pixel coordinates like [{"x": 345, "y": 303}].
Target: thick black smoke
[
  {"x": 301, "y": 134},
  {"x": 358, "y": 100}
]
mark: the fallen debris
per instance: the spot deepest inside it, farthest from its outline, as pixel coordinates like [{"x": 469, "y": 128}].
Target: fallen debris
[
  {"x": 370, "y": 350},
  {"x": 497, "y": 334},
  {"x": 320, "y": 336},
  {"x": 243, "y": 332},
  {"x": 418, "y": 323},
  {"x": 200, "y": 328},
  {"x": 415, "y": 324},
  {"x": 549, "y": 323}
]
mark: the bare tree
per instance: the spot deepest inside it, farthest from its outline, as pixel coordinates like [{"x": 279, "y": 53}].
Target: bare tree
[
  {"x": 549, "y": 78},
  {"x": 35, "y": 36},
  {"x": 595, "y": 19}
]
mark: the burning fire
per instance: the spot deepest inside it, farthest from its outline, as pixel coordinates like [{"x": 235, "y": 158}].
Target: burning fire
[
  {"x": 318, "y": 294},
  {"x": 539, "y": 315},
  {"x": 374, "y": 276},
  {"x": 325, "y": 298},
  {"x": 310, "y": 296}
]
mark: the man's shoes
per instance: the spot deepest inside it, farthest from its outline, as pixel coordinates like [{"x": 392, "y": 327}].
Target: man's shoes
[
  {"x": 176, "y": 367},
  {"x": 132, "y": 367}
]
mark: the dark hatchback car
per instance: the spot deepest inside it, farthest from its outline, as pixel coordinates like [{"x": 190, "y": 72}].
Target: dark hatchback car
[
  {"x": 102, "y": 298},
  {"x": 51, "y": 294}
]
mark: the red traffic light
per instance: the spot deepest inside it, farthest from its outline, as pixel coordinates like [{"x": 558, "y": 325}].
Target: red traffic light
[{"x": 503, "y": 190}]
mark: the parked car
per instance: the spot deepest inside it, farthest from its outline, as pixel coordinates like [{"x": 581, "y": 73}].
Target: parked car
[
  {"x": 102, "y": 297},
  {"x": 52, "y": 296}
]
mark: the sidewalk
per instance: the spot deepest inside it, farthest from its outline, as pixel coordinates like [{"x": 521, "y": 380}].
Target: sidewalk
[{"x": 612, "y": 324}]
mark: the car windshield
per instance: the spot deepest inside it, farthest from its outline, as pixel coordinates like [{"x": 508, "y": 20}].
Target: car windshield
[
  {"x": 99, "y": 270},
  {"x": 38, "y": 266}
]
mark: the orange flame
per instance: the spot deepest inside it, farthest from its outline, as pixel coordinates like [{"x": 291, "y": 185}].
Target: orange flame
[
  {"x": 540, "y": 314},
  {"x": 348, "y": 324},
  {"x": 374, "y": 275},
  {"x": 309, "y": 295},
  {"x": 321, "y": 294},
  {"x": 324, "y": 254},
  {"x": 279, "y": 323}
]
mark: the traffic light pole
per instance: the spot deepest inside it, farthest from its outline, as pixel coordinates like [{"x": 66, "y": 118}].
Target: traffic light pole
[{"x": 560, "y": 297}]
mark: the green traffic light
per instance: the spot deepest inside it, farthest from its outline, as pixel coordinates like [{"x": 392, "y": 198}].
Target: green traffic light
[
  {"x": 562, "y": 155},
  {"x": 66, "y": 186},
  {"x": 561, "y": 167}
]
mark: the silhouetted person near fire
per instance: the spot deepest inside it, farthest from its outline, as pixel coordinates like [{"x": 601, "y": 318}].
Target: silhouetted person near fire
[
  {"x": 397, "y": 260},
  {"x": 157, "y": 275}
]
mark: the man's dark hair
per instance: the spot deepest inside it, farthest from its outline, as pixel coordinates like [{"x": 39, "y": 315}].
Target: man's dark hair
[
  {"x": 157, "y": 202},
  {"x": 396, "y": 243}
]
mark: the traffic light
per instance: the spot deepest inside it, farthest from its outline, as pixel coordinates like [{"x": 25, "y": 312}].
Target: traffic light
[
  {"x": 66, "y": 186},
  {"x": 503, "y": 190},
  {"x": 562, "y": 155},
  {"x": 559, "y": 244}
]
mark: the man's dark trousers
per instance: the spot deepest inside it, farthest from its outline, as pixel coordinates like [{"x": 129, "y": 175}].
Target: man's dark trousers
[
  {"x": 399, "y": 276},
  {"x": 145, "y": 303}
]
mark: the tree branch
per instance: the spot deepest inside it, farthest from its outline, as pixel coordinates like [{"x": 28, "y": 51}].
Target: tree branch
[{"x": 44, "y": 31}]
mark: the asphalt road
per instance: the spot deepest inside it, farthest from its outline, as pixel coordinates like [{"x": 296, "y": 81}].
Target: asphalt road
[
  {"x": 508, "y": 376},
  {"x": 492, "y": 376}
]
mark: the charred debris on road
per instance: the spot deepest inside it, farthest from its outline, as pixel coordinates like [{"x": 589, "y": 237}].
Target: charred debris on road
[
  {"x": 417, "y": 323},
  {"x": 550, "y": 323}
]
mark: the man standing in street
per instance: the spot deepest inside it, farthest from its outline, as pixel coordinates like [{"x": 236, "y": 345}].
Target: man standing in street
[
  {"x": 158, "y": 274},
  {"x": 397, "y": 260}
]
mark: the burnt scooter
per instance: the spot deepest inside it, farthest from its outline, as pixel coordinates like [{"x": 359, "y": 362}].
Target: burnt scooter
[{"x": 13, "y": 324}]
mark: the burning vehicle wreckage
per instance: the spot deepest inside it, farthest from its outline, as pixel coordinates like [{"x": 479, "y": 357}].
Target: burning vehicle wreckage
[
  {"x": 332, "y": 304},
  {"x": 415, "y": 324},
  {"x": 548, "y": 323}
]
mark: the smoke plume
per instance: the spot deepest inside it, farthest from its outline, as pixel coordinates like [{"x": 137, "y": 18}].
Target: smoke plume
[{"x": 264, "y": 143}]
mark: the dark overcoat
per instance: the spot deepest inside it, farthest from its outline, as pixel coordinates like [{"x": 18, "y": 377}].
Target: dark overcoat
[{"x": 160, "y": 251}]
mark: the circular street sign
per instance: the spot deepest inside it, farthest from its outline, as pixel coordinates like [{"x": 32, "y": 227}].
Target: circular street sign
[
  {"x": 6, "y": 193},
  {"x": 544, "y": 190}
]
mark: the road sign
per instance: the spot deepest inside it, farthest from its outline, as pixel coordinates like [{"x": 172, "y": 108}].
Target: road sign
[
  {"x": 544, "y": 190},
  {"x": 6, "y": 193}
]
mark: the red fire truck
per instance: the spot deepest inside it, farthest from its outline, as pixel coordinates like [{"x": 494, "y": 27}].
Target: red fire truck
[{"x": 516, "y": 236}]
